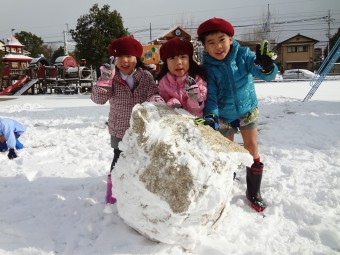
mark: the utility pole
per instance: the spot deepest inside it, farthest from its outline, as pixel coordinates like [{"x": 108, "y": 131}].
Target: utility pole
[
  {"x": 65, "y": 40},
  {"x": 150, "y": 32},
  {"x": 266, "y": 30},
  {"x": 329, "y": 30}
]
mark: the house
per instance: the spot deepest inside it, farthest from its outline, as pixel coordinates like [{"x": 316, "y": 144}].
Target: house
[
  {"x": 252, "y": 44},
  {"x": 15, "y": 62},
  {"x": 176, "y": 31},
  {"x": 151, "y": 51},
  {"x": 2, "y": 46},
  {"x": 296, "y": 52}
]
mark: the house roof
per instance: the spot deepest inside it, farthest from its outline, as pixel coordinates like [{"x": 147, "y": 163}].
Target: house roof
[
  {"x": 307, "y": 39},
  {"x": 13, "y": 42},
  {"x": 12, "y": 58},
  {"x": 173, "y": 33}
]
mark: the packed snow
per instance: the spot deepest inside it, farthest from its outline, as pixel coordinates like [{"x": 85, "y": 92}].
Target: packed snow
[{"x": 53, "y": 195}]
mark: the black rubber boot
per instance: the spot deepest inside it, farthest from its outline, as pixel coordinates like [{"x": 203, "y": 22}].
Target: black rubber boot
[
  {"x": 254, "y": 177},
  {"x": 115, "y": 158}
]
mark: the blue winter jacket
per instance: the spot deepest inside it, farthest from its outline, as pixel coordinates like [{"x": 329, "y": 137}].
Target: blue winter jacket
[
  {"x": 231, "y": 91},
  {"x": 10, "y": 128}
]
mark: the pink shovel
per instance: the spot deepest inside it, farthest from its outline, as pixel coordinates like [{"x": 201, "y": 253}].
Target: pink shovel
[{"x": 109, "y": 198}]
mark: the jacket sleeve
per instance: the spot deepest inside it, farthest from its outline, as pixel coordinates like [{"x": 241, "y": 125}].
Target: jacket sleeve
[
  {"x": 211, "y": 106},
  {"x": 8, "y": 131},
  {"x": 153, "y": 90},
  {"x": 100, "y": 95},
  {"x": 162, "y": 89}
]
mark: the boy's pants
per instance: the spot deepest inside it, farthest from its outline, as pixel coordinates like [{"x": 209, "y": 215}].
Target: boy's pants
[{"x": 18, "y": 144}]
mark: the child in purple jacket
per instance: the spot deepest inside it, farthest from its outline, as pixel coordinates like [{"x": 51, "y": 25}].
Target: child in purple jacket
[{"x": 10, "y": 131}]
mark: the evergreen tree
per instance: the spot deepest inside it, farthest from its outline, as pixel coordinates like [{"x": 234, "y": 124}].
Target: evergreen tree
[
  {"x": 31, "y": 42},
  {"x": 94, "y": 32},
  {"x": 332, "y": 42},
  {"x": 2, "y": 54},
  {"x": 57, "y": 53}
]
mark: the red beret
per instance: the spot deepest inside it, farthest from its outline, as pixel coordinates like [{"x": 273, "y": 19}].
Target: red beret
[
  {"x": 125, "y": 46},
  {"x": 215, "y": 24},
  {"x": 176, "y": 46}
]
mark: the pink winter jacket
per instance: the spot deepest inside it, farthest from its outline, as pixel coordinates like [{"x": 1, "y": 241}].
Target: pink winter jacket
[
  {"x": 174, "y": 87},
  {"x": 122, "y": 99}
]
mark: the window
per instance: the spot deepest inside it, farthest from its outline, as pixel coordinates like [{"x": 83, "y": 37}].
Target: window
[
  {"x": 301, "y": 48},
  {"x": 291, "y": 49}
]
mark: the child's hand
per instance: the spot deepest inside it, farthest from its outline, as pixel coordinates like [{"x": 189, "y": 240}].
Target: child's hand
[
  {"x": 157, "y": 99},
  {"x": 209, "y": 120},
  {"x": 107, "y": 72},
  {"x": 174, "y": 102},
  {"x": 192, "y": 89},
  {"x": 264, "y": 58},
  {"x": 12, "y": 154}
]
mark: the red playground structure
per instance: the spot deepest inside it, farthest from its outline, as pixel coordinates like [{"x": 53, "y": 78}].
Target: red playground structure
[{"x": 23, "y": 75}]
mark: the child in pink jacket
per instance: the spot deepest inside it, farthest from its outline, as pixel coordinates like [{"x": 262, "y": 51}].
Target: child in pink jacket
[{"x": 181, "y": 79}]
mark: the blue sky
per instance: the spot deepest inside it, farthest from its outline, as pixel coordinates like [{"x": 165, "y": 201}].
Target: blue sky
[{"x": 48, "y": 19}]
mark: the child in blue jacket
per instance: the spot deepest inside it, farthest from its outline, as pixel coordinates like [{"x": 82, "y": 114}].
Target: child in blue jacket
[
  {"x": 10, "y": 131},
  {"x": 231, "y": 99}
]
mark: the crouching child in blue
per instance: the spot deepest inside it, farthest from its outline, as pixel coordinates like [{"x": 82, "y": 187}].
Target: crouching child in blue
[
  {"x": 10, "y": 131},
  {"x": 231, "y": 99}
]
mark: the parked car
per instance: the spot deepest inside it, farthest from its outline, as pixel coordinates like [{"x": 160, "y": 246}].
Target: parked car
[
  {"x": 278, "y": 77},
  {"x": 298, "y": 74}
]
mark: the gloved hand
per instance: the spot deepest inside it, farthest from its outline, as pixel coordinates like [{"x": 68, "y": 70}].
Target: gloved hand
[
  {"x": 12, "y": 154},
  {"x": 192, "y": 89},
  {"x": 264, "y": 58},
  {"x": 107, "y": 72},
  {"x": 157, "y": 99},
  {"x": 210, "y": 120},
  {"x": 174, "y": 102}
]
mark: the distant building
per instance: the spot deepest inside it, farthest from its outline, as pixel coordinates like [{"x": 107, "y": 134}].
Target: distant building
[
  {"x": 15, "y": 61},
  {"x": 296, "y": 52},
  {"x": 151, "y": 51},
  {"x": 177, "y": 31},
  {"x": 2, "y": 46}
]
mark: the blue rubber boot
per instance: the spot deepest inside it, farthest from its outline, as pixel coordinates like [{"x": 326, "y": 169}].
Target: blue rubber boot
[{"x": 18, "y": 145}]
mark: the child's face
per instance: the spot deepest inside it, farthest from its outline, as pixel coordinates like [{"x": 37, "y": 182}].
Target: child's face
[
  {"x": 126, "y": 64},
  {"x": 218, "y": 45},
  {"x": 178, "y": 65}
]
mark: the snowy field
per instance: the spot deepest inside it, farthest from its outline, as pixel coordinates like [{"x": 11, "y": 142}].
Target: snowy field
[{"x": 52, "y": 196}]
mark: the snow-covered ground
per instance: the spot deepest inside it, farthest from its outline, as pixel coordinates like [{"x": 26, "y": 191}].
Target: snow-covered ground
[{"x": 52, "y": 196}]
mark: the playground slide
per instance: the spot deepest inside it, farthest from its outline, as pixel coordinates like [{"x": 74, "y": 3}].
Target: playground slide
[
  {"x": 13, "y": 87},
  {"x": 25, "y": 87}
]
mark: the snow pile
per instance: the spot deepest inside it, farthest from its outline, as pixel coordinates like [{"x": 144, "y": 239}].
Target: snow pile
[
  {"x": 173, "y": 179},
  {"x": 53, "y": 196}
]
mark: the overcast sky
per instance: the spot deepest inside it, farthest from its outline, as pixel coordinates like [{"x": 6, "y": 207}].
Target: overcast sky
[{"x": 48, "y": 19}]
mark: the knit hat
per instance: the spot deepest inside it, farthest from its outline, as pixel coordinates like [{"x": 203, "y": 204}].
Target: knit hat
[
  {"x": 125, "y": 46},
  {"x": 215, "y": 24},
  {"x": 176, "y": 46}
]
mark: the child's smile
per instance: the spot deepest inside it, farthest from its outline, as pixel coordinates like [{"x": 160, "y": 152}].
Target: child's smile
[{"x": 218, "y": 45}]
